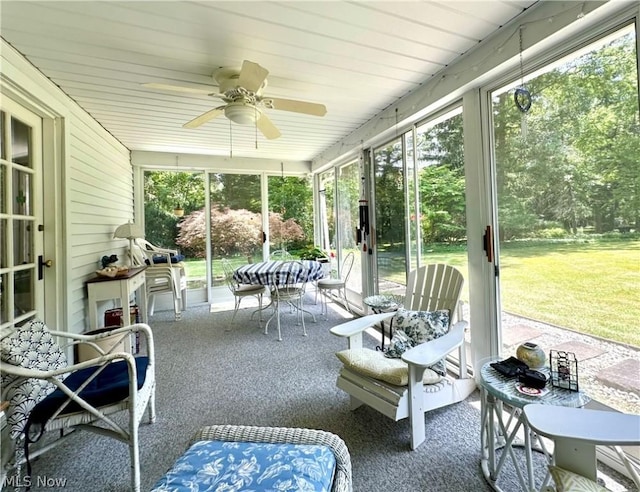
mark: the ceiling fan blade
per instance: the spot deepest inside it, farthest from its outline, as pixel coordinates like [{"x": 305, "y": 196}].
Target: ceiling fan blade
[
  {"x": 297, "y": 106},
  {"x": 181, "y": 88},
  {"x": 268, "y": 129},
  {"x": 252, "y": 76},
  {"x": 203, "y": 118}
]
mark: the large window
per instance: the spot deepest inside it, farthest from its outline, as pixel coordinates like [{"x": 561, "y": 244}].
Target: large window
[
  {"x": 390, "y": 218},
  {"x": 236, "y": 221},
  {"x": 347, "y": 217},
  {"x": 175, "y": 217},
  {"x": 290, "y": 214},
  {"x": 419, "y": 185},
  {"x": 567, "y": 177},
  {"x": 174, "y": 205}
]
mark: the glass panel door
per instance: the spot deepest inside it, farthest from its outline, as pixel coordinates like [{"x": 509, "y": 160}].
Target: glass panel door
[
  {"x": 390, "y": 219},
  {"x": 327, "y": 221},
  {"x": 419, "y": 187},
  {"x": 347, "y": 215},
  {"x": 567, "y": 179},
  {"x": 440, "y": 185},
  {"x": 236, "y": 221},
  {"x": 290, "y": 215},
  {"x": 21, "y": 247}
]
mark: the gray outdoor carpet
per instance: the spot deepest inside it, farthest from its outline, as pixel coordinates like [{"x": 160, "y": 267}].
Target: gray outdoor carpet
[{"x": 206, "y": 376}]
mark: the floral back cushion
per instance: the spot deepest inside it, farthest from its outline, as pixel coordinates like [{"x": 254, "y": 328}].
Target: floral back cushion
[
  {"x": 415, "y": 327},
  {"x": 30, "y": 346}
]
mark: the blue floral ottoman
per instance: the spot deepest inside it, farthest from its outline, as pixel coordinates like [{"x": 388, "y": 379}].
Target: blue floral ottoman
[{"x": 246, "y": 458}]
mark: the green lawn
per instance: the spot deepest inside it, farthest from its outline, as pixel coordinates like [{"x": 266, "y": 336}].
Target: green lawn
[{"x": 592, "y": 288}]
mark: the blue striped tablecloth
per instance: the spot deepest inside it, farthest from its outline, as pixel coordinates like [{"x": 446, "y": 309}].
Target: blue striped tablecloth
[{"x": 262, "y": 273}]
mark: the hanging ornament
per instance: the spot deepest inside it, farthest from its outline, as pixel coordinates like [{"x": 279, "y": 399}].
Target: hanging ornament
[{"x": 521, "y": 96}]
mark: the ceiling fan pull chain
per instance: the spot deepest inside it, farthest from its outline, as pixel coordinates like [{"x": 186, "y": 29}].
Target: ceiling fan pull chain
[
  {"x": 256, "y": 125},
  {"x": 230, "y": 141}
]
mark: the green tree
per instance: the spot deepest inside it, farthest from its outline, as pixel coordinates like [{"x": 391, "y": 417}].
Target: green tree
[
  {"x": 442, "y": 201},
  {"x": 440, "y": 154},
  {"x": 163, "y": 192},
  {"x": 233, "y": 232},
  {"x": 572, "y": 160},
  {"x": 389, "y": 193},
  {"x": 292, "y": 198},
  {"x": 236, "y": 191}
]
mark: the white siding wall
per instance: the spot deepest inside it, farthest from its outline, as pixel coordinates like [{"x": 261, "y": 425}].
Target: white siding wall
[
  {"x": 90, "y": 189},
  {"x": 99, "y": 197}
]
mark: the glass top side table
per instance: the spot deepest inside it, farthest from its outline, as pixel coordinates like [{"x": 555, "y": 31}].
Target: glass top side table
[
  {"x": 384, "y": 304},
  {"x": 504, "y": 389}
]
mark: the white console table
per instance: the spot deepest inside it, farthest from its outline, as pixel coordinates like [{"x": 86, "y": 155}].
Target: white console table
[{"x": 120, "y": 287}]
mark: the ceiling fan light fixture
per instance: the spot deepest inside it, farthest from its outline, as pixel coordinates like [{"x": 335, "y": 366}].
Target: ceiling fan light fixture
[{"x": 241, "y": 113}]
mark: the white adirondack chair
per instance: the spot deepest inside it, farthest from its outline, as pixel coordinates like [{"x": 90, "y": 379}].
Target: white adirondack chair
[{"x": 431, "y": 287}]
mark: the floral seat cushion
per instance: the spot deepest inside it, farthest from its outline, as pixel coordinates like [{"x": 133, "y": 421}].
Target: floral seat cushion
[{"x": 222, "y": 465}]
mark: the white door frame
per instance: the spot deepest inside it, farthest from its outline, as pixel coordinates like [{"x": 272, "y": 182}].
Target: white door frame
[{"x": 50, "y": 149}]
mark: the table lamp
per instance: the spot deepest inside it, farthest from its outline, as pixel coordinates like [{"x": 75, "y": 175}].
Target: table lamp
[{"x": 128, "y": 231}]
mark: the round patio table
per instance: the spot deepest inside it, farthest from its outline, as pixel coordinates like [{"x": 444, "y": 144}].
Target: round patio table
[{"x": 262, "y": 273}]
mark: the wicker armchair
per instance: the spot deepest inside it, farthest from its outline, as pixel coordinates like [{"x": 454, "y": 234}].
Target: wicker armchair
[{"x": 45, "y": 393}]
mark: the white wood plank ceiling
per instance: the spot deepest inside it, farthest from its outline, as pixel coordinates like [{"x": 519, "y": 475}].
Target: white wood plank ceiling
[{"x": 356, "y": 58}]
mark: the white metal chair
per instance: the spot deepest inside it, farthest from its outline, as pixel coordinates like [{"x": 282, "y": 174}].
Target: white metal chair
[
  {"x": 366, "y": 378},
  {"x": 163, "y": 275},
  {"x": 327, "y": 285},
  {"x": 285, "y": 289},
  {"x": 280, "y": 254},
  {"x": 46, "y": 394},
  {"x": 240, "y": 291}
]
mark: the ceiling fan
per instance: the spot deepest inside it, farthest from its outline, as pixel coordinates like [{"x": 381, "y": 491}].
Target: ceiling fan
[{"x": 244, "y": 102}]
